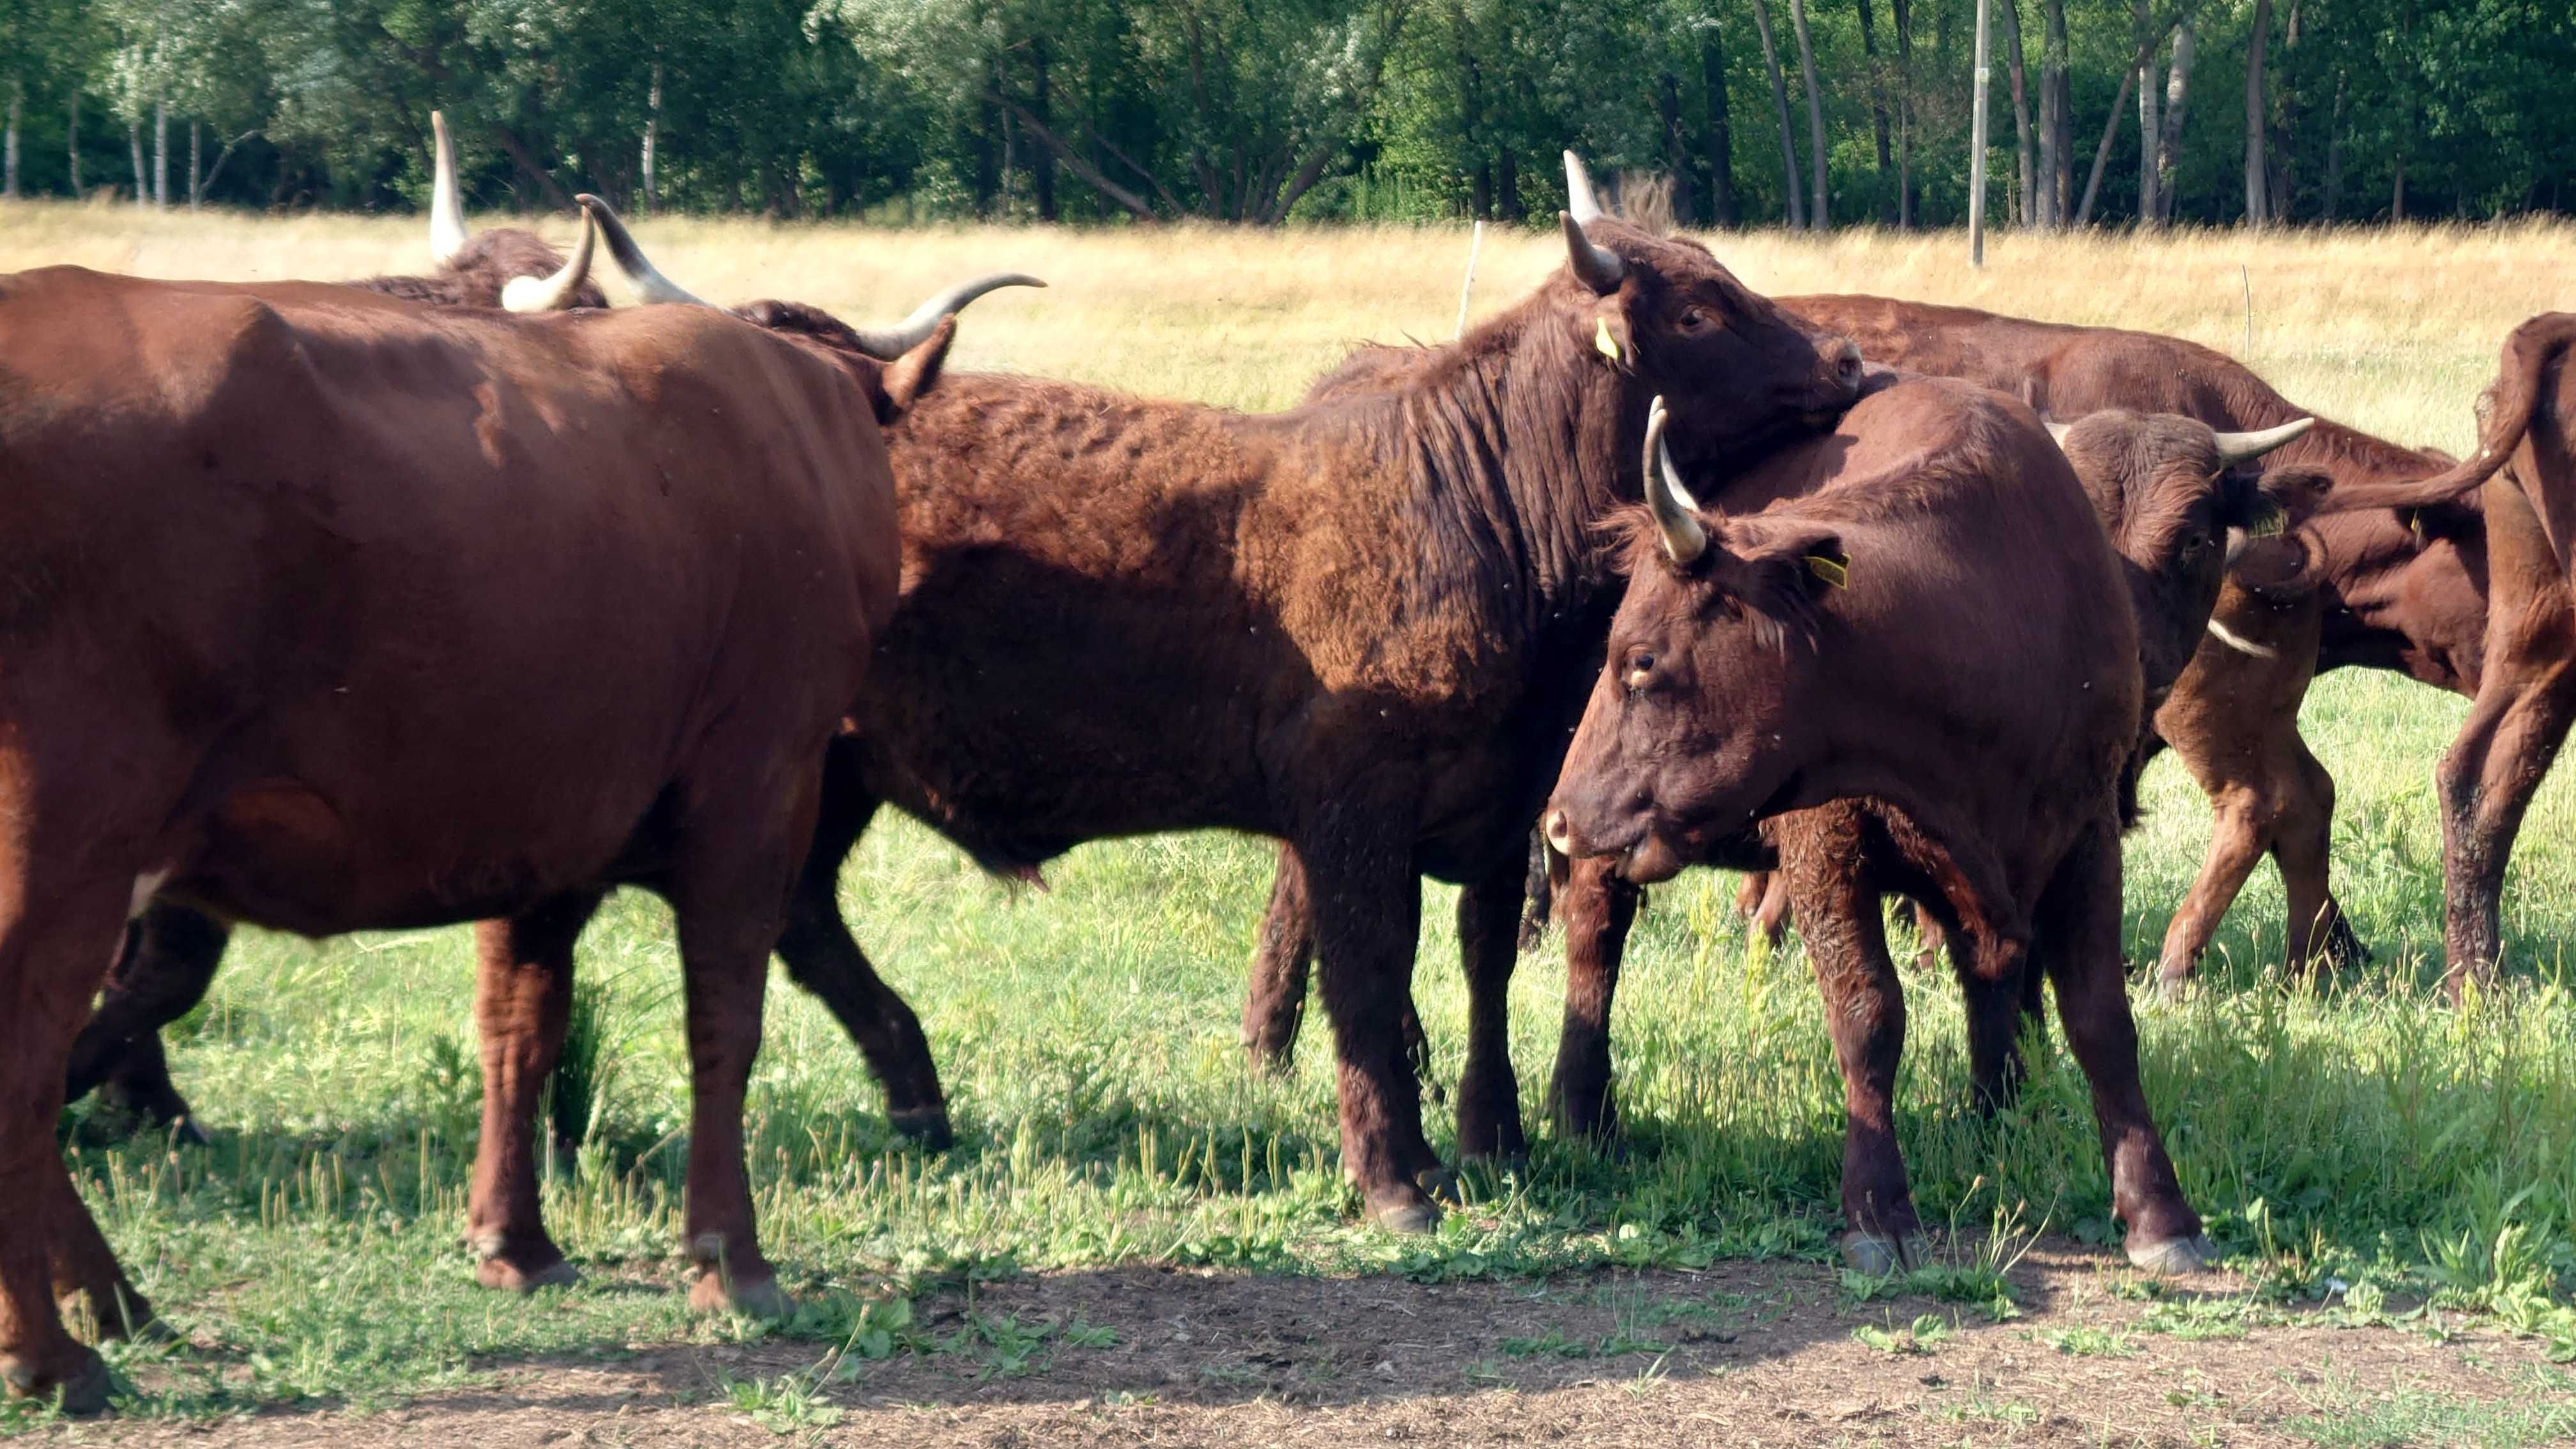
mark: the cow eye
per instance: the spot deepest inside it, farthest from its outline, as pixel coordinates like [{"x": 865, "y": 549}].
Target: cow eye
[
  {"x": 1641, "y": 669},
  {"x": 1693, "y": 319}
]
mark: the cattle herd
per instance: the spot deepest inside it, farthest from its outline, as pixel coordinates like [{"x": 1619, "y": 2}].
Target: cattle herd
[{"x": 464, "y": 597}]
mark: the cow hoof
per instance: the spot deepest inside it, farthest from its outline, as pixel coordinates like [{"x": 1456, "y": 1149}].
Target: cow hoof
[
  {"x": 1441, "y": 1186},
  {"x": 2194, "y": 1254},
  {"x": 926, "y": 1126},
  {"x": 186, "y": 1133},
  {"x": 1872, "y": 1255},
  {"x": 1403, "y": 1210},
  {"x": 527, "y": 1276},
  {"x": 759, "y": 1297},
  {"x": 82, "y": 1391}
]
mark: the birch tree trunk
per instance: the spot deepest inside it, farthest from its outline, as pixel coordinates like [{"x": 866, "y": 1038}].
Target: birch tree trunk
[
  {"x": 161, "y": 155},
  {"x": 71, "y": 140},
  {"x": 652, "y": 136},
  {"x": 1815, "y": 116},
  {"x": 1877, "y": 104},
  {"x": 1718, "y": 141},
  {"x": 17, "y": 102},
  {"x": 196, "y": 159},
  {"x": 2149, "y": 126},
  {"x": 2025, "y": 183},
  {"x": 2258, "y": 191},
  {"x": 2169, "y": 136},
  {"x": 142, "y": 178},
  {"x": 1905, "y": 207},
  {"x": 2054, "y": 163},
  {"x": 1796, "y": 206}
]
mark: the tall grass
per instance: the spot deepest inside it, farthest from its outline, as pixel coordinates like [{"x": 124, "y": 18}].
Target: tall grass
[{"x": 2354, "y": 1128}]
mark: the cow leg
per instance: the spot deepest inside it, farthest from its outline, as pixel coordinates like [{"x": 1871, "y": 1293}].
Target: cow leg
[
  {"x": 823, "y": 958},
  {"x": 1763, "y": 900},
  {"x": 2301, "y": 843},
  {"x": 2241, "y": 830},
  {"x": 2487, "y": 779},
  {"x": 1932, "y": 936},
  {"x": 522, "y": 1001},
  {"x": 55, "y": 945},
  {"x": 1368, "y": 916},
  {"x": 1846, "y": 936},
  {"x": 2078, "y": 942},
  {"x": 166, "y": 968},
  {"x": 1597, "y": 908},
  {"x": 1489, "y": 1094},
  {"x": 1275, "y": 1003}
]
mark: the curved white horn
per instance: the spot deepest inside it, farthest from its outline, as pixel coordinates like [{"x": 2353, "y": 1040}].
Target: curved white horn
[
  {"x": 552, "y": 294},
  {"x": 887, "y": 344},
  {"x": 1581, "y": 201},
  {"x": 2244, "y": 447},
  {"x": 650, "y": 285},
  {"x": 1598, "y": 266},
  {"x": 2057, "y": 429},
  {"x": 446, "y": 210},
  {"x": 1676, "y": 512}
]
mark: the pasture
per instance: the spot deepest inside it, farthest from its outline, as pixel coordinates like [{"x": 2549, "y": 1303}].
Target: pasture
[{"x": 1136, "y": 1238}]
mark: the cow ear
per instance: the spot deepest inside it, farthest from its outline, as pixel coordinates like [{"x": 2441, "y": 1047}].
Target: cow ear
[
  {"x": 1774, "y": 573},
  {"x": 1612, "y": 337},
  {"x": 910, "y": 377},
  {"x": 2294, "y": 491}
]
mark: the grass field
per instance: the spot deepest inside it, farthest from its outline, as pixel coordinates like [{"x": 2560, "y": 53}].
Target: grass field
[{"x": 2354, "y": 1142}]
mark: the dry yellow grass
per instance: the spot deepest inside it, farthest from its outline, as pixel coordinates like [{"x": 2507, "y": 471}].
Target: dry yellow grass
[{"x": 2393, "y": 331}]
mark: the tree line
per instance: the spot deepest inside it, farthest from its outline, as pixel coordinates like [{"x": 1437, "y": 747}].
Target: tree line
[{"x": 1812, "y": 113}]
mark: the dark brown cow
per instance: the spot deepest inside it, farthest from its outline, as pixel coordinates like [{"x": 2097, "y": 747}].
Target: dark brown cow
[
  {"x": 2524, "y": 473},
  {"x": 1931, "y": 625},
  {"x": 2399, "y": 590},
  {"x": 505, "y": 267},
  {"x": 1354, "y": 626},
  {"x": 371, "y": 651}
]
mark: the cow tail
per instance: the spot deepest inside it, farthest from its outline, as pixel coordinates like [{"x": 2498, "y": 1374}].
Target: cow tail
[{"x": 2510, "y": 404}]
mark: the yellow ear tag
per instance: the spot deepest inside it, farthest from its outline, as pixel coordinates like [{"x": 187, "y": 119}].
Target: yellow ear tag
[
  {"x": 1602, "y": 341},
  {"x": 1835, "y": 572}
]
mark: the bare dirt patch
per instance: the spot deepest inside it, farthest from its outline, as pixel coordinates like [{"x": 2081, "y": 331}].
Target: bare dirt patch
[{"x": 1741, "y": 1354}]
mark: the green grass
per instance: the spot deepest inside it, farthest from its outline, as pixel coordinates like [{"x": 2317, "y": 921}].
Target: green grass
[{"x": 2356, "y": 1128}]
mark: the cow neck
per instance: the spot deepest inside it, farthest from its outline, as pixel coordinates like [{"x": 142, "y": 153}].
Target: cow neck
[{"x": 1516, "y": 439}]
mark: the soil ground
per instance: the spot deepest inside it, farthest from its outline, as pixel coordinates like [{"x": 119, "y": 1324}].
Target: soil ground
[{"x": 1742, "y": 1354}]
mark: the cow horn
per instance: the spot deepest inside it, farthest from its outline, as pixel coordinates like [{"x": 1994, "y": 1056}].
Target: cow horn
[
  {"x": 1581, "y": 201},
  {"x": 890, "y": 343},
  {"x": 1676, "y": 512},
  {"x": 649, "y": 284},
  {"x": 1598, "y": 266},
  {"x": 446, "y": 211},
  {"x": 2245, "y": 447},
  {"x": 553, "y": 294},
  {"x": 2057, "y": 430}
]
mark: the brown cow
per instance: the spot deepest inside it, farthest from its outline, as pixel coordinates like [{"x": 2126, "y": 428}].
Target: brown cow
[
  {"x": 2524, "y": 473},
  {"x": 1353, "y": 626},
  {"x": 2167, "y": 491},
  {"x": 1929, "y": 624},
  {"x": 416, "y": 616}
]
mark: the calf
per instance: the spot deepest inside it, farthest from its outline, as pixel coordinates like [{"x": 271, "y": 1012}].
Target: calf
[{"x": 1930, "y": 624}]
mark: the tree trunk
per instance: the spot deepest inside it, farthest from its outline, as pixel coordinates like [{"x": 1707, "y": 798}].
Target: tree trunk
[
  {"x": 2258, "y": 191},
  {"x": 987, "y": 156},
  {"x": 1507, "y": 182},
  {"x": 71, "y": 140},
  {"x": 2334, "y": 155},
  {"x": 2102, "y": 153},
  {"x": 2053, "y": 163},
  {"x": 2026, "y": 184},
  {"x": 2169, "y": 136},
  {"x": 161, "y": 155},
  {"x": 2150, "y": 125},
  {"x": 1471, "y": 113},
  {"x": 1797, "y": 205},
  {"x": 142, "y": 178},
  {"x": 2062, "y": 106},
  {"x": 1717, "y": 142},
  {"x": 652, "y": 138},
  {"x": 1668, "y": 99},
  {"x": 1906, "y": 207},
  {"x": 1877, "y": 108},
  {"x": 196, "y": 158},
  {"x": 1815, "y": 114},
  {"x": 17, "y": 101},
  {"x": 1042, "y": 168}
]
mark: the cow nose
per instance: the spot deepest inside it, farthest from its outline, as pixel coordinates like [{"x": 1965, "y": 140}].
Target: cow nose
[
  {"x": 1847, "y": 364},
  {"x": 1560, "y": 834}
]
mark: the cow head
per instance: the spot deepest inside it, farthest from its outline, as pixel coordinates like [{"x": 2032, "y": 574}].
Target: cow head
[
  {"x": 1705, "y": 675},
  {"x": 1736, "y": 370},
  {"x": 2183, "y": 505},
  {"x": 909, "y": 355}
]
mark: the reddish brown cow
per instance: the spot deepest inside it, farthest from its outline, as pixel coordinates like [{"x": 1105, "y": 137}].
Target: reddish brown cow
[
  {"x": 417, "y": 616},
  {"x": 1931, "y": 625},
  {"x": 2524, "y": 472}
]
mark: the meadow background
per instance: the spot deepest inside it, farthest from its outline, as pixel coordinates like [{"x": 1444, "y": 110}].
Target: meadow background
[{"x": 2352, "y": 1129}]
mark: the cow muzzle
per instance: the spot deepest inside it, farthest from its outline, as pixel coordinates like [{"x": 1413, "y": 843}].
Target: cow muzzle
[{"x": 1645, "y": 861}]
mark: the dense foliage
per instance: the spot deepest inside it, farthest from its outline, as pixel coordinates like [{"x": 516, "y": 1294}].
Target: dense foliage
[{"x": 1259, "y": 110}]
